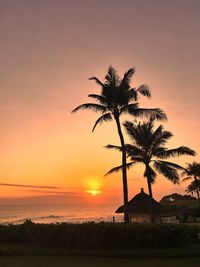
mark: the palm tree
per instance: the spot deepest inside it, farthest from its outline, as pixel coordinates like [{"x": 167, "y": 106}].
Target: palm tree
[
  {"x": 148, "y": 148},
  {"x": 117, "y": 97},
  {"x": 193, "y": 187},
  {"x": 192, "y": 171}
]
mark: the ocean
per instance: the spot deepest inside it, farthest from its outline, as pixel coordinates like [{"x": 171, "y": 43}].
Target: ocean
[{"x": 18, "y": 214}]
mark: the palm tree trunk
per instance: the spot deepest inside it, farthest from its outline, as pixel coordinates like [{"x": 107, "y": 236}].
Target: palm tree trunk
[
  {"x": 197, "y": 191},
  {"x": 151, "y": 207},
  {"x": 124, "y": 170}
]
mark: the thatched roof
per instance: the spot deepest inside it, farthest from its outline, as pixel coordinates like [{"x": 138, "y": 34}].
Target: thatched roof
[{"x": 140, "y": 204}]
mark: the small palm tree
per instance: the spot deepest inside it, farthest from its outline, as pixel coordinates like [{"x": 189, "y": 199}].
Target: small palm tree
[
  {"x": 192, "y": 171},
  {"x": 191, "y": 189},
  {"x": 117, "y": 97},
  {"x": 148, "y": 148}
]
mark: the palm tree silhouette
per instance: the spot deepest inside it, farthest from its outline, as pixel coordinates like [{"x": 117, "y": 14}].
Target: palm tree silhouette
[
  {"x": 148, "y": 148},
  {"x": 192, "y": 171},
  {"x": 193, "y": 186},
  {"x": 117, "y": 97}
]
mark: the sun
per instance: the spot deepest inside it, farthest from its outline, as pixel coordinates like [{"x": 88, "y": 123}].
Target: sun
[
  {"x": 94, "y": 192},
  {"x": 93, "y": 186}
]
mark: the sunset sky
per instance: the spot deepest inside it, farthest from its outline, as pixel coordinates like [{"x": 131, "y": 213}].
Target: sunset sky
[{"x": 48, "y": 50}]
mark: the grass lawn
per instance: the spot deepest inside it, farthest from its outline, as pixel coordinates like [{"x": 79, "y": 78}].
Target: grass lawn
[
  {"x": 30, "y": 256},
  {"x": 86, "y": 261}
]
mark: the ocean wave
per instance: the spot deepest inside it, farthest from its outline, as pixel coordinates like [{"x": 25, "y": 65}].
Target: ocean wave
[
  {"x": 49, "y": 217},
  {"x": 55, "y": 216}
]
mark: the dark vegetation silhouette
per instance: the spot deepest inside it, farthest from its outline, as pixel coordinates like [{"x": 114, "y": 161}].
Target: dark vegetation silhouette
[
  {"x": 98, "y": 236},
  {"x": 193, "y": 187},
  {"x": 186, "y": 208},
  {"x": 116, "y": 98},
  {"x": 192, "y": 172},
  {"x": 148, "y": 147},
  {"x": 175, "y": 197}
]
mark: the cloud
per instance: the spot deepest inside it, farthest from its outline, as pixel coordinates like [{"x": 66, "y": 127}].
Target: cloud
[
  {"x": 55, "y": 192},
  {"x": 31, "y": 186}
]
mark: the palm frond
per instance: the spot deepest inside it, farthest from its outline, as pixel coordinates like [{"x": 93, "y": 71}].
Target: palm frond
[
  {"x": 138, "y": 133},
  {"x": 97, "y": 81},
  {"x": 104, "y": 117},
  {"x": 144, "y": 90},
  {"x": 158, "y": 138},
  {"x": 162, "y": 138},
  {"x": 136, "y": 159},
  {"x": 184, "y": 173},
  {"x": 127, "y": 109},
  {"x": 193, "y": 169},
  {"x": 134, "y": 151},
  {"x": 91, "y": 106},
  {"x": 129, "y": 124},
  {"x": 157, "y": 133},
  {"x": 132, "y": 95},
  {"x": 194, "y": 186},
  {"x": 114, "y": 147},
  {"x": 125, "y": 82},
  {"x": 128, "y": 75},
  {"x": 155, "y": 113},
  {"x": 132, "y": 131},
  {"x": 118, "y": 168},
  {"x": 112, "y": 77},
  {"x": 187, "y": 178},
  {"x": 150, "y": 173},
  {"x": 182, "y": 150},
  {"x": 157, "y": 151},
  {"x": 172, "y": 165},
  {"x": 167, "y": 171},
  {"x": 99, "y": 98}
]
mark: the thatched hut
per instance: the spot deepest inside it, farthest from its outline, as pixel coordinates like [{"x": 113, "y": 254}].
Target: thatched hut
[{"x": 138, "y": 208}]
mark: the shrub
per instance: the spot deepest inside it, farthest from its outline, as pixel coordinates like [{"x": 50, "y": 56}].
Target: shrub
[{"x": 100, "y": 236}]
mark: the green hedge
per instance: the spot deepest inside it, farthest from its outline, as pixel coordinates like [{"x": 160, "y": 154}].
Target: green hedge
[{"x": 100, "y": 236}]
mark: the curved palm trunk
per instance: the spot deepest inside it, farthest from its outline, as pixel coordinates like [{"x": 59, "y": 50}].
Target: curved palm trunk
[
  {"x": 151, "y": 207},
  {"x": 197, "y": 191},
  {"x": 124, "y": 171}
]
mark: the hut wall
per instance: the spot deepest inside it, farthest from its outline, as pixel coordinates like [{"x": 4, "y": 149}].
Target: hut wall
[{"x": 142, "y": 218}]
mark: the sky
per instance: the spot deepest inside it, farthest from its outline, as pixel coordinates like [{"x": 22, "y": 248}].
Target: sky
[{"x": 48, "y": 50}]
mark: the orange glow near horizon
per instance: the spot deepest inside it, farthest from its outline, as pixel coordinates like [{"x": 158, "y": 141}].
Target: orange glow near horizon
[
  {"x": 48, "y": 51},
  {"x": 94, "y": 192}
]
